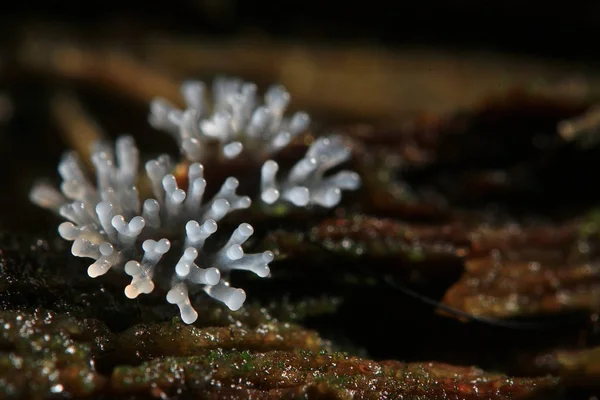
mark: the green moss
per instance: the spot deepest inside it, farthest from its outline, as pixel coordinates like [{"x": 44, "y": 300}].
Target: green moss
[
  {"x": 415, "y": 254},
  {"x": 246, "y": 356},
  {"x": 48, "y": 354},
  {"x": 590, "y": 225}
]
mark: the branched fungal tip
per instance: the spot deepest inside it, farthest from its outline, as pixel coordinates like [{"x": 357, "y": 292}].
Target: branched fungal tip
[
  {"x": 237, "y": 121},
  {"x": 235, "y": 118},
  {"x": 109, "y": 222}
]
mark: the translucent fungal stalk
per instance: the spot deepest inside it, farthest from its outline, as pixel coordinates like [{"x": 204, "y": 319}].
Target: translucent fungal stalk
[
  {"x": 109, "y": 223},
  {"x": 306, "y": 183},
  {"x": 234, "y": 118}
]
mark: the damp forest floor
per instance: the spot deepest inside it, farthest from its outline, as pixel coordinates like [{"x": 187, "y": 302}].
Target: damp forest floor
[{"x": 466, "y": 267}]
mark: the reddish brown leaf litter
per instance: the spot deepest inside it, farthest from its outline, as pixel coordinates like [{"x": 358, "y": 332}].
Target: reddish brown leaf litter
[
  {"x": 514, "y": 240},
  {"x": 45, "y": 353},
  {"x": 578, "y": 367},
  {"x": 301, "y": 375},
  {"x": 407, "y": 243},
  {"x": 516, "y": 271},
  {"x": 147, "y": 342}
]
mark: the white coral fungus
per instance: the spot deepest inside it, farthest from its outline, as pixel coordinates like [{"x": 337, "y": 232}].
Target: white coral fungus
[
  {"x": 109, "y": 224},
  {"x": 235, "y": 118},
  {"x": 237, "y": 121},
  {"x": 305, "y": 183}
]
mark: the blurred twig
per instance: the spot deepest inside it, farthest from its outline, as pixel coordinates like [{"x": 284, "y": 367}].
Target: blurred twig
[
  {"x": 365, "y": 83},
  {"x": 76, "y": 127},
  {"x": 103, "y": 67},
  {"x": 584, "y": 128},
  {"x": 361, "y": 81}
]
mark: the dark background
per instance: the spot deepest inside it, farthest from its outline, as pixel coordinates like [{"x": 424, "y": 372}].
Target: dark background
[{"x": 567, "y": 30}]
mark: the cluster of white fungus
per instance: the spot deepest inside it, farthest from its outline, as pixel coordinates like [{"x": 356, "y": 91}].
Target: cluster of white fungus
[
  {"x": 234, "y": 118},
  {"x": 237, "y": 121},
  {"x": 109, "y": 223},
  {"x": 304, "y": 184}
]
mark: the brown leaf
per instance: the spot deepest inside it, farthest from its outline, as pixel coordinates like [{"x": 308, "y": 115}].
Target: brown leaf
[
  {"x": 387, "y": 238},
  {"x": 515, "y": 271},
  {"x": 300, "y": 374}
]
